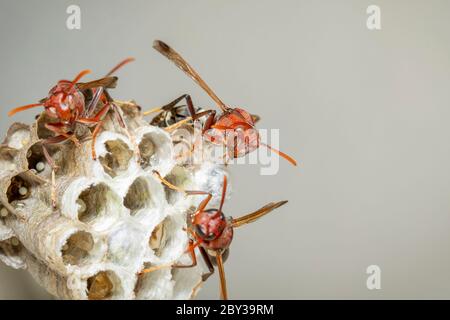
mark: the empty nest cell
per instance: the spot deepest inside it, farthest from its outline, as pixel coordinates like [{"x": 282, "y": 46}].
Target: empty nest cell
[
  {"x": 167, "y": 237},
  {"x": 117, "y": 159},
  {"x": 97, "y": 201},
  {"x": 147, "y": 149},
  {"x": 77, "y": 248},
  {"x": 179, "y": 177},
  {"x": 138, "y": 196},
  {"x": 18, "y": 136},
  {"x": 125, "y": 244}
]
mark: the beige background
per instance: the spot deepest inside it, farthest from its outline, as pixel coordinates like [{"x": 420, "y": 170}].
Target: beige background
[{"x": 366, "y": 112}]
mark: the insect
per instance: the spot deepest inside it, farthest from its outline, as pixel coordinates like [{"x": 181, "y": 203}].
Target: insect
[
  {"x": 172, "y": 112},
  {"x": 211, "y": 232},
  {"x": 70, "y": 103},
  {"x": 237, "y": 121},
  {"x": 66, "y": 102}
]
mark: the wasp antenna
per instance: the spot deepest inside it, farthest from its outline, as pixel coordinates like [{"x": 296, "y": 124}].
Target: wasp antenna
[
  {"x": 80, "y": 75},
  {"x": 74, "y": 82},
  {"x": 251, "y": 217},
  {"x": 77, "y": 78},
  {"x": 22, "y": 108},
  {"x": 120, "y": 65},
  {"x": 281, "y": 154}
]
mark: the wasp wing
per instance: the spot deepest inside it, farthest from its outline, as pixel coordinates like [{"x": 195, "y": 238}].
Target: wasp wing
[
  {"x": 107, "y": 82},
  {"x": 256, "y": 214}
]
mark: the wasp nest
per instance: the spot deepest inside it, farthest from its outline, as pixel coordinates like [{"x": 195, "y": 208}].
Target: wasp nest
[{"x": 113, "y": 217}]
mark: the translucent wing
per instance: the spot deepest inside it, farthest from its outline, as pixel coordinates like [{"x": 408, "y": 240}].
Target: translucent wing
[
  {"x": 172, "y": 55},
  {"x": 257, "y": 214},
  {"x": 107, "y": 82}
]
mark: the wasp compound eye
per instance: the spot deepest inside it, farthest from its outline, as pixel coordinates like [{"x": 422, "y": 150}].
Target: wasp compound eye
[{"x": 202, "y": 234}]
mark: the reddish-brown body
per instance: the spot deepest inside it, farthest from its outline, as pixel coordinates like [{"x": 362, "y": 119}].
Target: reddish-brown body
[
  {"x": 235, "y": 127},
  {"x": 237, "y": 130},
  {"x": 66, "y": 104},
  {"x": 212, "y": 233}
]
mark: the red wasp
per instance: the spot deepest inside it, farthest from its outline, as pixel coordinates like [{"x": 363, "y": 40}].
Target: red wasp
[
  {"x": 66, "y": 102},
  {"x": 71, "y": 103},
  {"x": 246, "y": 138},
  {"x": 212, "y": 232}
]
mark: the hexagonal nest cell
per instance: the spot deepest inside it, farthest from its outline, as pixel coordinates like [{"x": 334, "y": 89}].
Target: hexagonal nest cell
[
  {"x": 103, "y": 285},
  {"x": 117, "y": 159},
  {"x": 19, "y": 189},
  {"x": 77, "y": 248},
  {"x": 147, "y": 149},
  {"x": 18, "y": 136},
  {"x": 38, "y": 162},
  {"x": 138, "y": 196},
  {"x": 89, "y": 232},
  {"x": 97, "y": 201},
  {"x": 168, "y": 237},
  {"x": 155, "y": 148},
  {"x": 179, "y": 177}
]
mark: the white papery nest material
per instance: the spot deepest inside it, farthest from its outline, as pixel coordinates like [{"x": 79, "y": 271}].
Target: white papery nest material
[{"x": 113, "y": 217}]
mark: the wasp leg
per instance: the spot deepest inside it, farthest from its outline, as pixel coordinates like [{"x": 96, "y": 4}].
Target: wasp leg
[
  {"x": 209, "y": 120},
  {"x": 122, "y": 123},
  {"x": 208, "y": 263},
  {"x": 62, "y": 129},
  {"x": 51, "y": 162},
  {"x": 97, "y": 119},
  {"x": 155, "y": 268},
  {"x": 173, "y": 103},
  {"x": 190, "y": 250},
  {"x": 108, "y": 100},
  {"x": 223, "y": 282},
  {"x": 178, "y": 124},
  {"x": 202, "y": 205}
]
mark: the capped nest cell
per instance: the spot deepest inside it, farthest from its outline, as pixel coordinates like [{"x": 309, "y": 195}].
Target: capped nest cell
[{"x": 103, "y": 221}]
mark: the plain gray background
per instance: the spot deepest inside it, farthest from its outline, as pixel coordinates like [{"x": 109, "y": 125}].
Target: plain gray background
[{"x": 365, "y": 112}]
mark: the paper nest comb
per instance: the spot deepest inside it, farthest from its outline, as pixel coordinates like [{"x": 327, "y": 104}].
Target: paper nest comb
[{"x": 113, "y": 216}]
